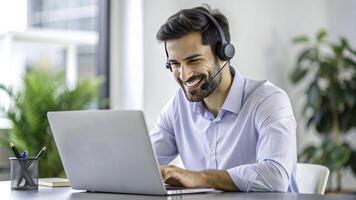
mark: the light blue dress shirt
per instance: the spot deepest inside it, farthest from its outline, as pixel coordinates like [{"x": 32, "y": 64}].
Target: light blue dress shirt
[{"x": 253, "y": 137}]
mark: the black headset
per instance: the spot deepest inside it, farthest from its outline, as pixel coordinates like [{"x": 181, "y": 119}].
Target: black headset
[{"x": 224, "y": 50}]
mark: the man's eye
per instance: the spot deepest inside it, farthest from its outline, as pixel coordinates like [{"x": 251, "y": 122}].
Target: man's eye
[
  {"x": 194, "y": 60},
  {"x": 175, "y": 65}
]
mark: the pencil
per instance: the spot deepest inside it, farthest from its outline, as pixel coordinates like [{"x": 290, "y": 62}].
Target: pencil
[{"x": 40, "y": 153}]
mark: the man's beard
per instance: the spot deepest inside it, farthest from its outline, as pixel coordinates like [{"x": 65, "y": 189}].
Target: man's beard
[{"x": 199, "y": 94}]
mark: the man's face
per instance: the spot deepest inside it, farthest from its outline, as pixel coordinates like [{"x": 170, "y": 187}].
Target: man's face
[{"x": 193, "y": 64}]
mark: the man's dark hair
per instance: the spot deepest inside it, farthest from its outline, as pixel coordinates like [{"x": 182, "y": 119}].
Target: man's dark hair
[{"x": 192, "y": 20}]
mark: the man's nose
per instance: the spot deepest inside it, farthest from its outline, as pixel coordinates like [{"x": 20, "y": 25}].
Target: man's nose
[{"x": 185, "y": 73}]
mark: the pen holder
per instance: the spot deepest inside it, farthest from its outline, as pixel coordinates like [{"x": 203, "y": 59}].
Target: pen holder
[{"x": 24, "y": 173}]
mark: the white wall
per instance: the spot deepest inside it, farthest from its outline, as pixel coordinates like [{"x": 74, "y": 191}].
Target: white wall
[{"x": 261, "y": 32}]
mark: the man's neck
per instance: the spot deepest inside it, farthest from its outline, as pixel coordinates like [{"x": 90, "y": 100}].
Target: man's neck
[{"x": 216, "y": 99}]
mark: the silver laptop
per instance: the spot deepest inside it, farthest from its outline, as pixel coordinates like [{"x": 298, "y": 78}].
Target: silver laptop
[{"x": 109, "y": 151}]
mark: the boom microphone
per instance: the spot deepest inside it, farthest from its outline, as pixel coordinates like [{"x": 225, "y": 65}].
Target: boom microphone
[{"x": 206, "y": 85}]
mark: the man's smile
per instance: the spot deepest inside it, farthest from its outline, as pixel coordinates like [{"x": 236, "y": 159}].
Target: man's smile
[{"x": 194, "y": 83}]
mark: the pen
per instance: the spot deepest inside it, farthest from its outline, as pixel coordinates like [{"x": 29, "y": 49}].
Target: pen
[
  {"x": 40, "y": 153},
  {"x": 14, "y": 149}
]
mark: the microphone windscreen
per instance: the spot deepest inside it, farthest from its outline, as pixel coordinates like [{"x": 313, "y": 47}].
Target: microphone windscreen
[{"x": 204, "y": 86}]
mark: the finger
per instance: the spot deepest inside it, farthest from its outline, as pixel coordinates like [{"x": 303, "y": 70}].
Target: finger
[
  {"x": 171, "y": 177},
  {"x": 163, "y": 173},
  {"x": 163, "y": 166},
  {"x": 174, "y": 182},
  {"x": 167, "y": 174}
]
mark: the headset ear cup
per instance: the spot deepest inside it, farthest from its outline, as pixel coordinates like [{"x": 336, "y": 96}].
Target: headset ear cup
[
  {"x": 229, "y": 51},
  {"x": 225, "y": 52}
]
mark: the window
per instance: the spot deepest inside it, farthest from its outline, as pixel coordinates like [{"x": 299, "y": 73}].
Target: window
[{"x": 55, "y": 34}]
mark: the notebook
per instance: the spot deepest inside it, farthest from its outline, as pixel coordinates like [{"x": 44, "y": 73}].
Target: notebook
[{"x": 54, "y": 182}]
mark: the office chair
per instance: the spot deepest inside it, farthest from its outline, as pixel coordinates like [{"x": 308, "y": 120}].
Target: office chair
[{"x": 311, "y": 178}]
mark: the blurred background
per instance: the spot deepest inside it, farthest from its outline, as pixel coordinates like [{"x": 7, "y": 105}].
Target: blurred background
[{"x": 112, "y": 43}]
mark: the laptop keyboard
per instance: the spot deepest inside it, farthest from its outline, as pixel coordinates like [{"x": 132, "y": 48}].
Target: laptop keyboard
[{"x": 169, "y": 187}]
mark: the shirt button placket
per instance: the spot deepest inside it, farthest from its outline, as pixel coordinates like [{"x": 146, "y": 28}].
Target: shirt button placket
[
  {"x": 212, "y": 146},
  {"x": 210, "y": 153}
]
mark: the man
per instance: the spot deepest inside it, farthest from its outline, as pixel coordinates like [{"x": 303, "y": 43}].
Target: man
[{"x": 232, "y": 133}]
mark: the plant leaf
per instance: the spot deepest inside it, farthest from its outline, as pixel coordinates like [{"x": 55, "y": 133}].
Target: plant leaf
[
  {"x": 306, "y": 55},
  {"x": 298, "y": 74},
  {"x": 300, "y": 39},
  {"x": 321, "y": 35},
  {"x": 350, "y": 62},
  {"x": 7, "y": 90},
  {"x": 343, "y": 42},
  {"x": 313, "y": 96},
  {"x": 352, "y": 161},
  {"x": 308, "y": 154}
]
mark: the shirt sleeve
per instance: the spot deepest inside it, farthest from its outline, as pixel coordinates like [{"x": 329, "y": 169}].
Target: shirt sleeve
[
  {"x": 276, "y": 148},
  {"x": 162, "y": 135}
]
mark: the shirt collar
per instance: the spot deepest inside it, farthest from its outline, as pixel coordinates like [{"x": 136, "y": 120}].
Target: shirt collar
[{"x": 233, "y": 101}]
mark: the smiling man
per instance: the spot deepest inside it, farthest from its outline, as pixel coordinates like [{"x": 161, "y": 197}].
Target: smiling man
[{"x": 232, "y": 133}]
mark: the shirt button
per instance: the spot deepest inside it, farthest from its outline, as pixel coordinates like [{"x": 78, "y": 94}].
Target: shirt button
[{"x": 211, "y": 153}]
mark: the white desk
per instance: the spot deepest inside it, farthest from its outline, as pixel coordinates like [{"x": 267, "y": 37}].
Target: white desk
[{"x": 66, "y": 193}]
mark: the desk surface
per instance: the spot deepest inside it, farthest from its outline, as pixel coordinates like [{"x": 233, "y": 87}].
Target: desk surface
[{"x": 66, "y": 193}]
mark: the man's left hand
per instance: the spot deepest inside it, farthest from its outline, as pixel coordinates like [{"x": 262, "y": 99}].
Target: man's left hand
[{"x": 218, "y": 179}]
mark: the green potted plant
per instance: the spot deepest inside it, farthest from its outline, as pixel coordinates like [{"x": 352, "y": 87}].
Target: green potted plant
[
  {"x": 329, "y": 68},
  {"x": 44, "y": 91}
]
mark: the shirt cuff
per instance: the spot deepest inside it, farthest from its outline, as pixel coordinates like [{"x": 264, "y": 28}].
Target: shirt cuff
[
  {"x": 243, "y": 177},
  {"x": 165, "y": 160}
]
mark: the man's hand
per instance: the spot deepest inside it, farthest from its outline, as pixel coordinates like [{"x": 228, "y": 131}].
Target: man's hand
[{"x": 179, "y": 177}]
